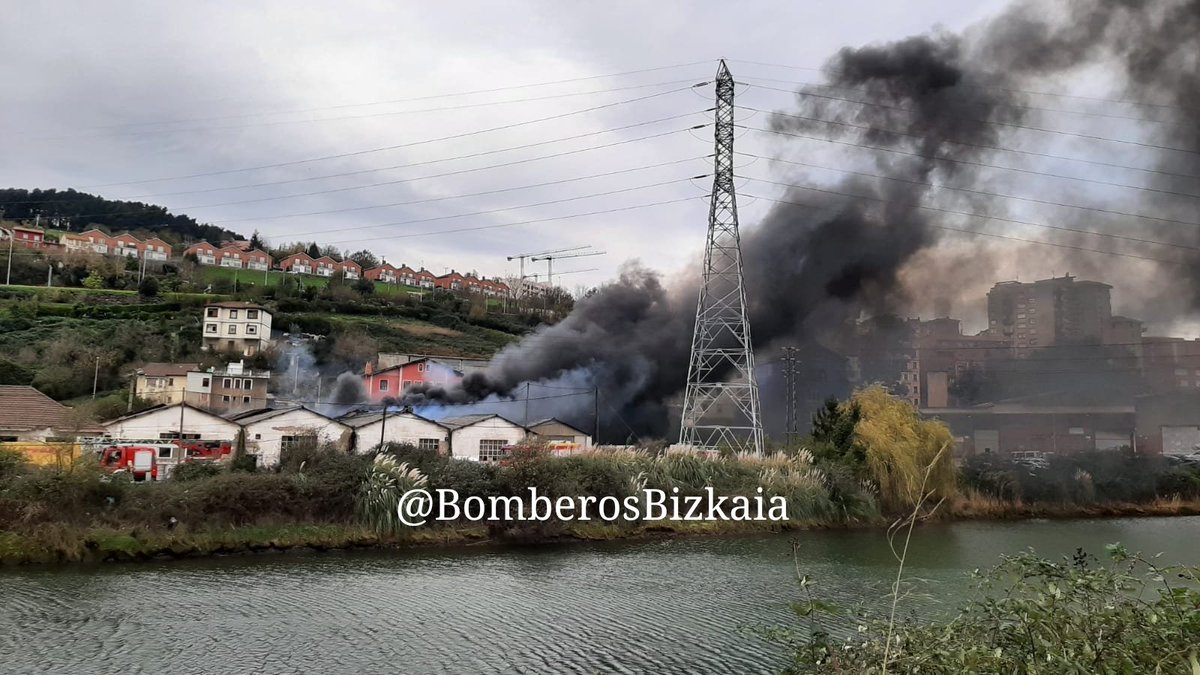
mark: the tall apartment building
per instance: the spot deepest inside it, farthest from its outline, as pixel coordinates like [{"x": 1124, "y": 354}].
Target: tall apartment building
[
  {"x": 236, "y": 326},
  {"x": 233, "y": 387},
  {"x": 1060, "y": 310}
]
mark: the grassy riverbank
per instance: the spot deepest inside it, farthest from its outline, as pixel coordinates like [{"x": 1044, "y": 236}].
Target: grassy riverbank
[
  {"x": 863, "y": 467},
  {"x": 74, "y": 544}
]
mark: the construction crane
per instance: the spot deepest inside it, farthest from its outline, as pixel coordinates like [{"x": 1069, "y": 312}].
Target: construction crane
[
  {"x": 551, "y": 257},
  {"x": 536, "y": 256}
]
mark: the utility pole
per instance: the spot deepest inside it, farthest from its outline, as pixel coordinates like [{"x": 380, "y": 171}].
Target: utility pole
[
  {"x": 596, "y": 415},
  {"x": 526, "y": 404},
  {"x": 790, "y": 377},
  {"x": 721, "y": 368},
  {"x": 383, "y": 424},
  {"x": 96, "y": 378},
  {"x": 12, "y": 236},
  {"x": 133, "y": 389},
  {"x": 182, "y": 407}
]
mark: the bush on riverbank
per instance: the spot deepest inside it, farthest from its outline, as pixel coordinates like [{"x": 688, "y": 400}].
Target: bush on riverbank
[
  {"x": 1084, "y": 479},
  {"x": 1035, "y": 616}
]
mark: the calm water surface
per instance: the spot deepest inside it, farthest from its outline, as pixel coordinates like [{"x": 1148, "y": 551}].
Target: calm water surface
[{"x": 661, "y": 607}]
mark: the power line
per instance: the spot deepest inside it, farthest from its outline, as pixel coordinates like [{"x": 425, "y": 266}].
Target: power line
[
  {"x": 524, "y": 222},
  {"x": 982, "y": 146},
  {"x": 974, "y": 163},
  {"x": 462, "y": 196},
  {"x": 411, "y": 99},
  {"x": 400, "y": 145},
  {"x": 975, "y": 232},
  {"x": 498, "y": 210},
  {"x": 997, "y": 104},
  {"x": 1008, "y": 89},
  {"x": 391, "y": 113},
  {"x": 993, "y": 122},
  {"x": 996, "y": 194}
]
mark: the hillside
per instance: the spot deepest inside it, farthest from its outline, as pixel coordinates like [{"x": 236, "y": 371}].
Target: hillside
[
  {"x": 59, "y": 339},
  {"x": 76, "y": 211}
]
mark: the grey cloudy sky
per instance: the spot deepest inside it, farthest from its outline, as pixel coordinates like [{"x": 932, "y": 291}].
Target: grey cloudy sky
[
  {"x": 102, "y": 93},
  {"x": 127, "y": 99}
]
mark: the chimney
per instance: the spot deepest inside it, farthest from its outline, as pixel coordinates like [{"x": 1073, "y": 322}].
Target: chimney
[{"x": 368, "y": 369}]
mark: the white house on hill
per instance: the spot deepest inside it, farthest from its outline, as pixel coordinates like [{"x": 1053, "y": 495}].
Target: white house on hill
[
  {"x": 271, "y": 431},
  {"x": 482, "y": 437}
]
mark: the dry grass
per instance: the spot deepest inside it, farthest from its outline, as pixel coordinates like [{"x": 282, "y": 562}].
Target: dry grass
[{"x": 425, "y": 330}]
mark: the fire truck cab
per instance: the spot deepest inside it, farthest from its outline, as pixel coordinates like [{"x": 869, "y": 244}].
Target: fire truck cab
[{"x": 139, "y": 461}]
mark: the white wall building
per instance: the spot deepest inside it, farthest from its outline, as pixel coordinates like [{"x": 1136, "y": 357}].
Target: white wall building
[
  {"x": 236, "y": 326},
  {"x": 482, "y": 437},
  {"x": 401, "y": 427},
  {"x": 164, "y": 422},
  {"x": 271, "y": 431}
]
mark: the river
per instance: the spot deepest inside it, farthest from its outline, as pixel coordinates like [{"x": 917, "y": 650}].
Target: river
[{"x": 681, "y": 605}]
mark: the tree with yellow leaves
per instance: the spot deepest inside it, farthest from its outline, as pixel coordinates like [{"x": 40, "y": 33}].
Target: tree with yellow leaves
[{"x": 902, "y": 448}]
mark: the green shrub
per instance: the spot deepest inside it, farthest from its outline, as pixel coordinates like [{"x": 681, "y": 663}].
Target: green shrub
[
  {"x": 195, "y": 471},
  {"x": 1033, "y": 616}
]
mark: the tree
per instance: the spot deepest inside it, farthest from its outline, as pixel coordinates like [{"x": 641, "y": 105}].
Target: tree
[
  {"x": 833, "y": 427},
  {"x": 365, "y": 258},
  {"x": 94, "y": 280},
  {"x": 355, "y": 349},
  {"x": 148, "y": 288},
  {"x": 313, "y": 250},
  {"x": 256, "y": 242},
  {"x": 364, "y": 286},
  {"x": 901, "y": 449}
]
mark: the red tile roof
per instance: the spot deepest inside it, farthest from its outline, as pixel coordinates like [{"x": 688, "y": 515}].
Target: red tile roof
[{"x": 25, "y": 408}]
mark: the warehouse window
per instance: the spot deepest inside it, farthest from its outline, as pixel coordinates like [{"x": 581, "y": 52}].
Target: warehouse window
[
  {"x": 491, "y": 449},
  {"x": 302, "y": 441},
  {"x": 429, "y": 444}
]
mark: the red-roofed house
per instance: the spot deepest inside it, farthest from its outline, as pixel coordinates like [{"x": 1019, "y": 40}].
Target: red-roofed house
[
  {"x": 451, "y": 282},
  {"x": 230, "y": 255},
  {"x": 298, "y": 263},
  {"x": 326, "y": 266},
  {"x": 385, "y": 273},
  {"x": 29, "y": 237},
  {"x": 206, "y": 253},
  {"x": 406, "y": 275},
  {"x": 350, "y": 270},
  {"x": 426, "y": 279},
  {"x": 127, "y": 245},
  {"x": 472, "y": 283},
  {"x": 156, "y": 249},
  {"x": 257, "y": 260},
  {"x": 89, "y": 241},
  {"x": 28, "y": 415}
]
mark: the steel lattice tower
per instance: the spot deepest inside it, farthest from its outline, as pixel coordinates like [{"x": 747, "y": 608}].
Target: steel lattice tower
[{"x": 721, "y": 405}]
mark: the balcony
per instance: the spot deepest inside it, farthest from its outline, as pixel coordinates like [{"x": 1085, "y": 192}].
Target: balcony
[
  {"x": 206, "y": 259},
  {"x": 260, "y": 266},
  {"x": 229, "y": 261}
]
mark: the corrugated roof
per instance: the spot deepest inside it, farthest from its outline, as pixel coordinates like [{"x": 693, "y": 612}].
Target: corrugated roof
[
  {"x": 555, "y": 420},
  {"x": 467, "y": 420},
  {"x": 26, "y": 408},
  {"x": 365, "y": 419},
  {"x": 168, "y": 369}
]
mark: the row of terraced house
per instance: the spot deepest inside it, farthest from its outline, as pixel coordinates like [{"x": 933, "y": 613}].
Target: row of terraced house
[
  {"x": 235, "y": 255},
  {"x": 239, "y": 255}
]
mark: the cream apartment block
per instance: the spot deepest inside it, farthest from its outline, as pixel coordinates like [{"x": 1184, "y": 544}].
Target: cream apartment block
[{"x": 240, "y": 327}]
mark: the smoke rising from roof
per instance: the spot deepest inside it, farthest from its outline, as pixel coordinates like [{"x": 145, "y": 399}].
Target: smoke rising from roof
[{"x": 936, "y": 109}]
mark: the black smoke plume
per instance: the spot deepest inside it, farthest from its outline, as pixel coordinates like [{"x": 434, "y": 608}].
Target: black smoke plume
[{"x": 927, "y": 114}]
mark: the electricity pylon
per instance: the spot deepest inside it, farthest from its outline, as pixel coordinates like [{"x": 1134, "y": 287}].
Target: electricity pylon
[{"x": 721, "y": 405}]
